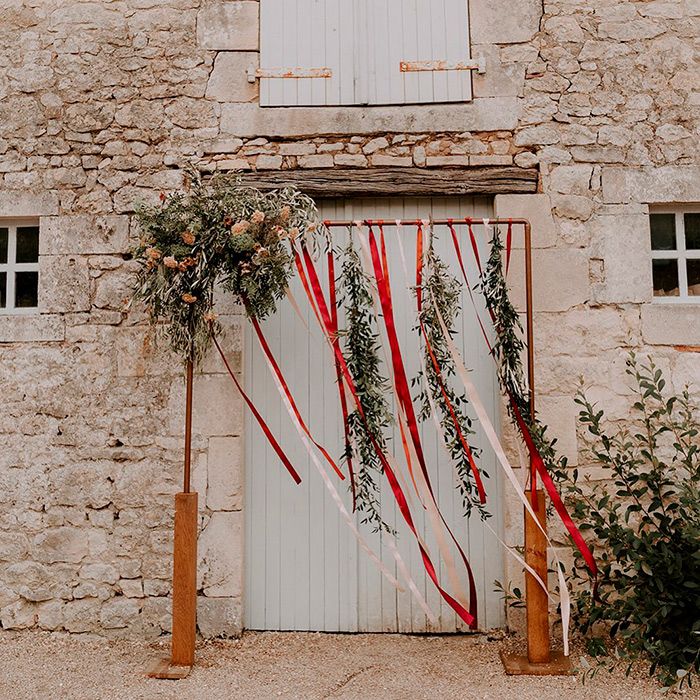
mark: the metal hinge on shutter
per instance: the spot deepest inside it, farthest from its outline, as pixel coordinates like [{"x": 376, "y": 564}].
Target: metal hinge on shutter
[
  {"x": 257, "y": 73},
  {"x": 478, "y": 64}
]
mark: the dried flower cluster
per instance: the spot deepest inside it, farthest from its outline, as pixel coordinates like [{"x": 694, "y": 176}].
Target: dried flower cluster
[{"x": 216, "y": 235}]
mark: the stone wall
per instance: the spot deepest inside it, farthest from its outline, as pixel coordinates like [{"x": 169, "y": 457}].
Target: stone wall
[{"x": 101, "y": 103}]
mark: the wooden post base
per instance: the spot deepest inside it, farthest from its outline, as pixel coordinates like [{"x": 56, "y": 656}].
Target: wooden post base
[
  {"x": 184, "y": 618},
  {"x": 164, "y": 669},
  {"x": 519, "y": 665}
]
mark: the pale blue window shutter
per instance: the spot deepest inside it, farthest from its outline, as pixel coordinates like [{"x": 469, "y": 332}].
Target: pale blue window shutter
[{"x": 361, "y": 45}]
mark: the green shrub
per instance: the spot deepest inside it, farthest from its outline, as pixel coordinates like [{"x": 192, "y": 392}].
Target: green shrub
[{"x": 645, "y": 523}]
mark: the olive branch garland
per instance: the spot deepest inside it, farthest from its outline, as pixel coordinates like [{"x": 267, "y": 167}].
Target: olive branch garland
[
  {"x": 361, "y": 351},
  {"x": 440, "y": 286},
  {"x": 508, "y": 350}
]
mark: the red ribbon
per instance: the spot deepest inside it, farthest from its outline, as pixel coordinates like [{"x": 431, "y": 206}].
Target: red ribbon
[
  {"x": 288, "y": 394},
  {"x": 475, "y": 248},
  {"x": 261, "y": 421},
  {"x": 324, "y": 319},
  {"x": 419, "y": 267},
  {"x": 509, "y": 244},
  {"x": 339, "y": 374}
]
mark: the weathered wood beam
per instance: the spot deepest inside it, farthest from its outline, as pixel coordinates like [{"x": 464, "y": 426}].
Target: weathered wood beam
[{"x": 406, "y": 182}]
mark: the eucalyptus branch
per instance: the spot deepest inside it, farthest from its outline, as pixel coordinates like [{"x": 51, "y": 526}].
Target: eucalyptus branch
[
  {"x": 361, "y": 349},
  {"x": 442, "y": 288}
]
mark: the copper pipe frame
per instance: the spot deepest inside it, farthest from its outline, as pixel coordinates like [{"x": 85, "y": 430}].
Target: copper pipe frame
[
  {"x": 529, "y": 310},
  {"x": 538, "y": 641}
]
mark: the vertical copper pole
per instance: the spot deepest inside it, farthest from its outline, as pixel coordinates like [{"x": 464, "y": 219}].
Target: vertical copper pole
[
  {"x": 538, "y": 643},
  {"x": 188, "y": 427}
]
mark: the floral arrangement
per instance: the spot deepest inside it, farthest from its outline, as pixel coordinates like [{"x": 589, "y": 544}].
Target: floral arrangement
[{"x": 216, "y": 234}]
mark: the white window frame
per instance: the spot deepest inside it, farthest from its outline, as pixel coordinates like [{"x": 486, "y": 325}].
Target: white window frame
[
  {"x": 681, "y": 255},
  {"x": 12, "y": 266}
]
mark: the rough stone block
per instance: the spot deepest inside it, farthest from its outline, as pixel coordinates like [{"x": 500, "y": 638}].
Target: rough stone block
[
  {"x": 19, "y": 615},
  {"x": 17, "y": 203},
  {"x": 84, "y": 235},
  {"x": 321, "y": 160},
  {"x": 483, "y": 114},
  {"x": 65, "y": 284},
  {"x": 228, "y": 81},
  {"x": 560, "y": 279},
  {"x": 81, "y": 615},
  {"x": 114, "y": 288},
  {"x": 61, "y": 544},
  {"x": 119, "y": 612},
  {"x": 502, "y": 22},
  {"x": 670, "y": 183},
  {"x": 50, "y": 615},
  {"x": 217, "y": 410},
  {"x": 225, "y": 473},
  {"x": 228, "y": 26},
  {"x": 31, "y": 329},
  {"x": 351, "y": 160},
  {"x": 622, "y": 243},
  {"x": 268, "y": 162},
  {"x": 219, "y": 617},
  {"x": 671, "y": 324},
  {"x": 220, "y": 569},
  {"x": 537, "y": 208},
  {"x": 559, "y": 414},
  {"x": 571, "y": 179}
]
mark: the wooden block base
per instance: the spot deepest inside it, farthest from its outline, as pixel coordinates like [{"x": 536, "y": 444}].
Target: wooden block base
[
  {"x": 164, "y": 668},
  {"x": 519, "y": 665}
]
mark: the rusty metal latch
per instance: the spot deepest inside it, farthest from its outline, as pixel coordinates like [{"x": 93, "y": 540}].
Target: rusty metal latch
[
  {"x": 287, "y": 73},
  {"x": 478, "y": 64}
]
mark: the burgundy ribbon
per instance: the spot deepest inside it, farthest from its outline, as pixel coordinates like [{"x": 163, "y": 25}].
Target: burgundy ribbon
[{"x": 261, "y": 421}]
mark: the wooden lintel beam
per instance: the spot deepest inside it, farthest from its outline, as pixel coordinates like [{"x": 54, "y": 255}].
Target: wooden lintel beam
[{"x": 406, "y": 182}]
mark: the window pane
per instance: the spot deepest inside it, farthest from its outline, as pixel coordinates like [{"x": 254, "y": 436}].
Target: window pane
[
  {"x": 692, "y": 231},
  {"x": 3, "y": 245},
  {"x": 694, "y": 278},
  {"x": 3, "y": 290},
  {"x": 663, "y": 231},
  {"x": 26, "y": 289},
  {"x": 665, "y": 278},
  {"x": 27, "y": 244}
]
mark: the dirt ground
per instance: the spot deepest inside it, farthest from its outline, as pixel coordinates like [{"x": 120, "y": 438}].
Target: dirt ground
[{"x": 293, "y": 666}]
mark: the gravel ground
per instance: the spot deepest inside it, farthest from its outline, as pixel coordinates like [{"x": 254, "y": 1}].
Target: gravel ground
[{"x": 44, "y": 666}]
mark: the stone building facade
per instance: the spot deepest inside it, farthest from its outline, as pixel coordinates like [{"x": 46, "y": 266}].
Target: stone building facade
[{"x": 103, "y": 102}]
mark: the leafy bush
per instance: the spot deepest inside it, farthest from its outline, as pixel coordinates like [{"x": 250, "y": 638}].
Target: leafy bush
[{"x": 646, "y": 523}]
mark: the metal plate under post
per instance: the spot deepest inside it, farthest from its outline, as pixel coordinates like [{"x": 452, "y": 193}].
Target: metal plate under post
[{"x": 540, "y": 660}]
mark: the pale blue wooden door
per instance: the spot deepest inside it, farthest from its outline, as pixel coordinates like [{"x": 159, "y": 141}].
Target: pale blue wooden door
[{"x": 304, "y": 570}]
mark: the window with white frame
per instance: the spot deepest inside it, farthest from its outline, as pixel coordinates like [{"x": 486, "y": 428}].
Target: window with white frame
[
  {"x": 364, "y": 52},
  {"x": 675, "y": 253},
  {"x": 19, "y": 266}
]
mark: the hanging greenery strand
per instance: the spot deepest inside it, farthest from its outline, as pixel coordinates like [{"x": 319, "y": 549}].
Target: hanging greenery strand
[
  {"x": 440, "y": 284},
  {"x": 509, "y": 348},
  {"x": 361, "y": 350}
]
